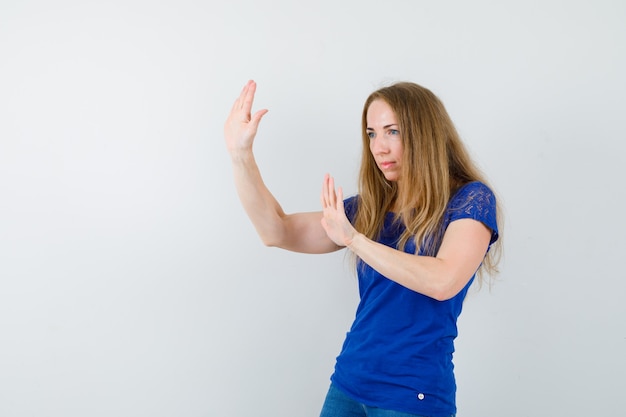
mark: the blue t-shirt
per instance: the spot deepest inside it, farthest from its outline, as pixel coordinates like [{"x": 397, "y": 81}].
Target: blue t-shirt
[{"x": 398, "y": 352}]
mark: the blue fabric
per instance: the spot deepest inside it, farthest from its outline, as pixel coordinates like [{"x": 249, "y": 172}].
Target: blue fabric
[
  {"x": 338, "y": 404},
  {"x": 398, "y": 352}
]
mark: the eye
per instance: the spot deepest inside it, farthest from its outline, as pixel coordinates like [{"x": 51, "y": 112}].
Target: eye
[
  {"x": 371, "y": 135},
  {"x": 394, "y": 132}
]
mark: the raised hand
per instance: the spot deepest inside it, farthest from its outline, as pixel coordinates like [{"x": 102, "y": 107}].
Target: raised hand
[
  {"x": 241, "y": 127},
  {"x": 334, "y": 221}
]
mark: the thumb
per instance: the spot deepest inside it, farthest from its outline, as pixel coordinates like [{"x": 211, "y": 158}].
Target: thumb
[{"x": 256, "y": 118}]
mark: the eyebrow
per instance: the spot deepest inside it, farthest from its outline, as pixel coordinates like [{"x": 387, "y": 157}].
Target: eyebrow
[{"x": 384, "y": 127}]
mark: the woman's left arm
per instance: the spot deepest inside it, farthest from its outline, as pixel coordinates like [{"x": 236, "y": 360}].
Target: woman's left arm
[
  {"x": 463, "y": 248},
  {"x": 441, "y": 277}
]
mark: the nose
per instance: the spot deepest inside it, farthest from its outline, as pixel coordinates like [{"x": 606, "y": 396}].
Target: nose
[{"x": 379, "y": 145}]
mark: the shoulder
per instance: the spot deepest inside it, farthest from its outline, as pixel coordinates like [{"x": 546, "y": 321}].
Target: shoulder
[
  {"x": 474, "y": 200},
  {"x": 472, "y": 192}
]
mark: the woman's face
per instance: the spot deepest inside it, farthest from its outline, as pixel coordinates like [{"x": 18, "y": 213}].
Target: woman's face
[{"x": 385, "y": 139}]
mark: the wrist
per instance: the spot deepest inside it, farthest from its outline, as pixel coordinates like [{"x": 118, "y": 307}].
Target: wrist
[
  {"x": 241, "y": 155},
  {"x": 353, "y": 242}
]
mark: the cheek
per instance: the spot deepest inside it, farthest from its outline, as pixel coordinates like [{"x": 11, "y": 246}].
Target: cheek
[{"x": 398, "y": 150}]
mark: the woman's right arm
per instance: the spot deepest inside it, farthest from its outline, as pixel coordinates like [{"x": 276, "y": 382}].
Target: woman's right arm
[{"x": 299, "y": 232}]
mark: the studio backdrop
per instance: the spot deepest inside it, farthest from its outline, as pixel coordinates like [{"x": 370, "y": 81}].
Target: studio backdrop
[{"x": 132, "y": 283}]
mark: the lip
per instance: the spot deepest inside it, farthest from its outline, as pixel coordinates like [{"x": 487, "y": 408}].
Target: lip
[{"x": 386, "y": 165}]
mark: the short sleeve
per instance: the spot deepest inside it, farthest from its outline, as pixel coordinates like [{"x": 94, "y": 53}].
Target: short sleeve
[{"x": 475, "y": 201}]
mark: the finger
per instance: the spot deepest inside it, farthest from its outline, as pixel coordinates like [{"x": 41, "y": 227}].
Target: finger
[
  {"x": 244, "y": 92},
  {"x": 331, "y": 192},
  {"x": 256, "y": 119},
  {"x": 324, "y": 195},
  {"x": 248, "y": 98},
  {"x": 238, "y": 103},
  {"x": 245, "y": 86},
  {"x": 340, "y": 199}
]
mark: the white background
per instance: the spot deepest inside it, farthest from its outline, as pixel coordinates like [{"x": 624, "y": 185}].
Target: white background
[{"x": 131, "y": 282}]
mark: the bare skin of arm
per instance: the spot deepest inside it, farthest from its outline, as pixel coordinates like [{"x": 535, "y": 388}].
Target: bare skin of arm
[
  {"x": 441, "y": 277},
  {"x": 299, "y": 232}
]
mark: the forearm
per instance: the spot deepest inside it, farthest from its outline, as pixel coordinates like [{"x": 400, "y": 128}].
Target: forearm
[
  {"x": 441, "y": 277},
  {"x": 260, "y": 205},
  {"x": 424, "y": 274}
]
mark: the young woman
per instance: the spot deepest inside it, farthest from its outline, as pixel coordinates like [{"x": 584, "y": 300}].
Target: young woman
[{"x": 423, "y": 223}]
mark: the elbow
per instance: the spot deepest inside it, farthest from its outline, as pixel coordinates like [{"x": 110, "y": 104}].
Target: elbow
[
  {"x": 273, "y": 232},
  {"x": 439, "y": 294},
  {"x": 270, "y": 234},
  {"x": 443, "y": 295},
  {"x": 447, "y": 283},
  {"x": 445, "y": 291},
  {"x": 274, "y": 239},
  {"x": 270, "y": 241}
]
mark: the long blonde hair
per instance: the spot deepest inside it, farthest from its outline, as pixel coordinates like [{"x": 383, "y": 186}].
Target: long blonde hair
[{"x": 435, "y": 164}]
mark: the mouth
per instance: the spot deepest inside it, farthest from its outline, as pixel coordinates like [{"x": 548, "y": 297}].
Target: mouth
[{"x": 386, "y": 165}]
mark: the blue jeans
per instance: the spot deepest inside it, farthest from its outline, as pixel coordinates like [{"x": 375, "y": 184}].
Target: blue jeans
[{"x": 338, "y": 404}]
